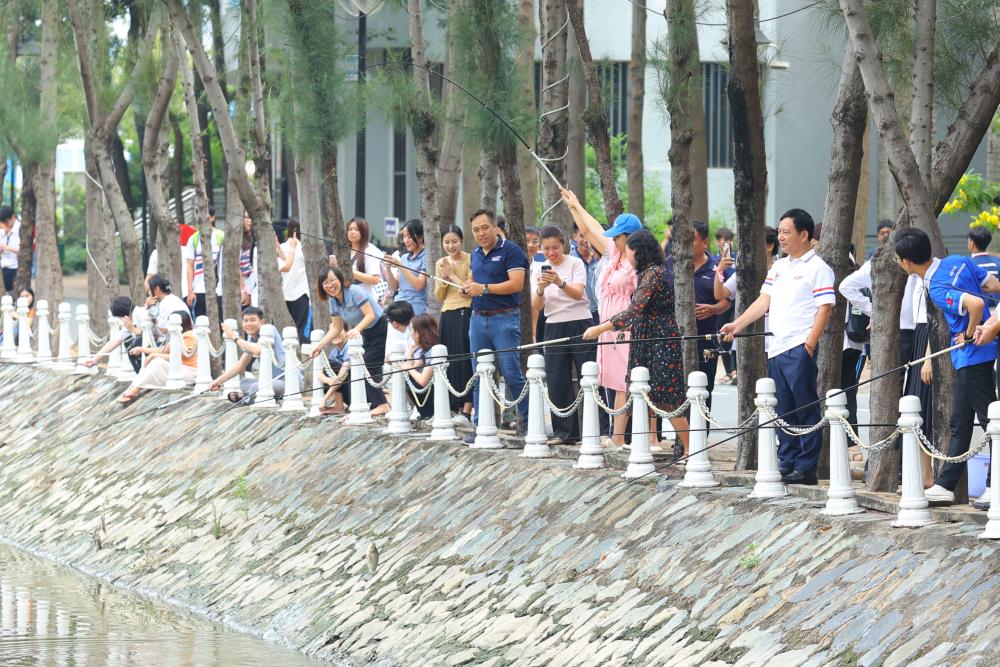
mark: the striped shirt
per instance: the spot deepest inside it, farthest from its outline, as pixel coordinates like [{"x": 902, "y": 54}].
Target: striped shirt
[{"x": 797, "y": 287}]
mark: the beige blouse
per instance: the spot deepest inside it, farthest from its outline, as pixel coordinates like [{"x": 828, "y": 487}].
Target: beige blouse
[{"x": 450, "y": 297}]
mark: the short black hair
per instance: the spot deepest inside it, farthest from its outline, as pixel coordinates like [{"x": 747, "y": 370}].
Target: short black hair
[
  {"x": 724, "y": 233},
  {"x": 700, "y": 228},
  {"x": 885, "y": 223},
  {"x": 158, "y": 281},
  {"x": 913, "y": 244},
  {"x": 211, "y": 211},
  {"x": 980, "y": 237},
  {"x": 121, "y": 306},
  {"x": 552, "y": 232},
  {"x": 771, "y": 239},
  {"x": 6, "y": 213},
  {"x": 252, "y": 310},
  {"x": 801, "y": 219},
  {"x": 400, "y": 312},
  {"x": 487, "y": 212},
  {"x": 647, "y": 250}
]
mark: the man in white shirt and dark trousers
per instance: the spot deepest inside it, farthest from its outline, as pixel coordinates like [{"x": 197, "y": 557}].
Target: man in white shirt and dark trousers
[
  {"x": 10, "y": 245},
  {"x": 798, "y": 293}
]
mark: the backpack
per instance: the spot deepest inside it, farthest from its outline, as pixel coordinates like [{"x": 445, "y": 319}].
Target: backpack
[{"x": 857, "y": 322}]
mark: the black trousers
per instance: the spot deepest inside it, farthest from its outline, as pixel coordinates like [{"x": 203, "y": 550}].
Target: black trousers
[
  {"x": 726, "y": 349},
  {"x": 8, "y": 282},
  {"x": 299, "y": 310},
  {"x": 849, "y": 373},
  {"x": 560, "y": 361},
  {"x": 975, "y": 389},
  {"x": 374, "y": 341},
  {"x": 709, "y": 366},
  {"x": 200, "y": 306}
]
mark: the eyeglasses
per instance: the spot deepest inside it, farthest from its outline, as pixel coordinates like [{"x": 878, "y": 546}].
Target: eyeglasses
[{"x": 330, "y": 282}]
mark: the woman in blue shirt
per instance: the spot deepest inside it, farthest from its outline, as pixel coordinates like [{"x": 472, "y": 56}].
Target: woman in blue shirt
[
  {"x": 411, "y": 285},
  {"x": 353, "y": 311}
]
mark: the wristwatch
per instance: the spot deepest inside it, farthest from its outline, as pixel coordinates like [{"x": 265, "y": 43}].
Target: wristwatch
[
  {"x": 563, "y": 286},
  {"x": 486, "y": 288}
]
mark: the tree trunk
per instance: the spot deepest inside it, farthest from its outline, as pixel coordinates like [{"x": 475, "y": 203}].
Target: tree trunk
[
  {"x": 699, "y": 144},
  {"x": 525, "y": 64},
  {"x": 423, "y": 127},
  {"x": 576, "y": 139},
  {"x": 683, "y": 49},
  {"x": 102, "y": 276},
  {"x": 29, "y": 210},
  {"x": 749, "y": 198},
  {"x": 317, "y": 259},
  {"x": 231, "y": 305},
  {"x": 636, "y": 99},
  {"x": 922, "y": 110},
  {"x": 489, "y": 179},
  {"x": 513, "y": 208},
  {"x": 596, "y": 116},
  {"x": 50, "y": 280},
  {"x": 849, "y": 119},
  {"x": 331, "y": 197},
  {"x": 177, "y": 174},
  {"x": 450, "y": 161},
  {"x": 121, "y": 168},
  {"x": 553, "y": 127},
  {"x": 864, "y": 195}
]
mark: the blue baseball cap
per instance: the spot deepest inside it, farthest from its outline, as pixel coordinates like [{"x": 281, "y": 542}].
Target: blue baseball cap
[{"x": 626, "y": 223}]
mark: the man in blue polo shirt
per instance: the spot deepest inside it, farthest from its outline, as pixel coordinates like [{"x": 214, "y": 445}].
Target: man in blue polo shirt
[
  {"x": 498, "y": 270},
  {"x": 957, "y": 285}
]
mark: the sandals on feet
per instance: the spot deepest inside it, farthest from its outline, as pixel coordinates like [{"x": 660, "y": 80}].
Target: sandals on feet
[
  {"x": 235, "y": 396},
  {"x": 128, "y": 396}
]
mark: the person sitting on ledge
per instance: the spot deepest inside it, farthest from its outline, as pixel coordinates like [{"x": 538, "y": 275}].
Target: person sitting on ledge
[
  {"x": 339, "y": 383},
  {"x": 162, "y": 303},
  {"x": 131, "y": 334},
  {"x": 425, "y": 336},
  {"x": 254, "y": 326},
  {"x": 154, "y": 373}
]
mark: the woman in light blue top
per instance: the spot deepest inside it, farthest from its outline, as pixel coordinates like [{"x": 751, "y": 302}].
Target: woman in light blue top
[
  {"x": 356, "y": 313},
  {"x": 411, "y": 285}
]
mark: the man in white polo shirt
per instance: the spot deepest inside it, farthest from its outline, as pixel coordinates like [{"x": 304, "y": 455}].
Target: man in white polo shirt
[{"x": 798, "y": 296}]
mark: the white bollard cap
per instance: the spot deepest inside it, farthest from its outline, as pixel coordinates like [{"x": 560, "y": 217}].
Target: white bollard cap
[
  {"x": 42, "y": 304},
  {"x": 22, "y": 302},
  {"x": 836, "y": 397},
  {"x": 909, "y": 404},
  {"x": 290, "y": 334},
  {"x": 536, "y": 361},
  {"x": 201, "y": 321},
  {"x": 439, "y": 352},
  {"x": 484, "y": 356},
  {"x": 82, "y": 309},
  {"x": 64, "y": 309},
  {"x": 697, "y": 379},
  {"x": 316, "y": 335},
  {"x": 765, "y": 386},
  {"x": 7, "y": 300},
  {"x": 174, "y": 319},
  {"x": 590, "y": 368},
  {"x": 640, "y": 374}
]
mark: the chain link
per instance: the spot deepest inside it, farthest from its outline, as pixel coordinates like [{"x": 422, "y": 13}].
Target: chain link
[
  {"x": 495, "y": 391},
  {"x": 856, "y": 439},
  {"x": 440, "y": 369},
  {"x": 785, "y": 426},
  {"x": 417, "y": 391},
  {"x": 370, "y": 380},
  {"x": 671, "y": 414},
  {"x": 738, "y": 429},
  {"x": 611, "y": 411},
  {"x": 935, "y": 453},
  {"x": 556, "y": 410}
]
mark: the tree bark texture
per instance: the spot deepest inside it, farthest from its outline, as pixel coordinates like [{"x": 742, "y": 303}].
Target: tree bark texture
[
  {"x": 636, "y": 98},
  {"x": 450, "y": 161},
  {"x": 230, "y": 274},
  {"x": 683, "y": 48},
  {"x": 849, "y": 119},
  {"x": 576, "y": 159},
  {"x": 29, "y": 208},
  {"x": 489, "y": 179},
  {"x": 331, "y": 197},
  {"x": 102, "y": 275},
  {"x": 513, "y": 208},
  {"x": 527, "y": 167},
  {"x": 922, "y": 109},
  {"x": 177, "y": 173},
  {"x": 596, "y": 116},
  {"x": 553, "y": 125},
  {"x": 317, "y": 260},
  {"x": 750, "y": 198}
]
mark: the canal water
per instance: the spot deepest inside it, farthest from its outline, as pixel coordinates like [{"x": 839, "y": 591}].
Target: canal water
[{"x": 50, "y": 615}]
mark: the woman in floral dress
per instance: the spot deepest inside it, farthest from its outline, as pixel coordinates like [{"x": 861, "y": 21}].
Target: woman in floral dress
[{"x": 651, "y": 315}]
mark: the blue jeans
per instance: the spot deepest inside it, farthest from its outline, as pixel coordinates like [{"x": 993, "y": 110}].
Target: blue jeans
[
  {"x": 499, "y": 332},
  {"x": 794, "y": 375}
]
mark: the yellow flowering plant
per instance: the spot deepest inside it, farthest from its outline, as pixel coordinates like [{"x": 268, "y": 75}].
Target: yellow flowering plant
[{"x": 977, "y": 197}]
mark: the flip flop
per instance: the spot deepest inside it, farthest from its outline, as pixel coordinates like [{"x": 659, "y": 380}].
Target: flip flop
[{"x": 235, "y": 396}]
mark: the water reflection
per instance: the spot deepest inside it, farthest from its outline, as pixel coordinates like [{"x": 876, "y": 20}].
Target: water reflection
[{"x": 53, "y": 616}]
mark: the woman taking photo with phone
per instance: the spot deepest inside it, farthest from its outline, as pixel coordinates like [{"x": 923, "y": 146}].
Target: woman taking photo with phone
[
  {"x": 560, "y": 290},
  {"x": 456, "y": 317}
]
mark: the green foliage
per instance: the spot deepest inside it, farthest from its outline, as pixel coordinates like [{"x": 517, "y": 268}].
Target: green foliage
[
  {"x": 242, "y": 492},
  {"x": 394, "y": 90},
  {"x": 488, "y": 36},
  {"x": 977, "y": 197},
  {"x": 749, "y": 560}
]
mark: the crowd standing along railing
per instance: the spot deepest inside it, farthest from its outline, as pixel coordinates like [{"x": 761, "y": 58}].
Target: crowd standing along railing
[{"x": 841, "y": 498}]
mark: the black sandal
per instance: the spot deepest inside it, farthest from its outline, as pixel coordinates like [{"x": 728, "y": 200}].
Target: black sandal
[{"x": 235, "y": 396}]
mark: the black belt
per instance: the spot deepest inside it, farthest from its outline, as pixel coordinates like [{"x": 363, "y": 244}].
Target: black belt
[{"x": 497, "y": 311}]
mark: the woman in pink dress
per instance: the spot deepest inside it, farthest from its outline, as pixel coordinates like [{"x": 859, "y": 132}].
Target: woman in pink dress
[{"x": 615, "y": 284}]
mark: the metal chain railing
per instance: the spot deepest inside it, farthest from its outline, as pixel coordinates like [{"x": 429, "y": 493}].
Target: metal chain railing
[
  {"x": 418, "y": 391},
  {"x": 380, "y": 384},
  {"x": 785, "y": 426},
  {"x": 555, "y": 409},
  {"x": 501, "y": 401},
  {"x": 928, "y": 447},
  {"x": 440, "y": 370},
  {"x": 707, "y": 414},
  {"x": 666, "y": 414},
  {"x": 611, "y": 411},
  {"x": 856, "y": 439}
]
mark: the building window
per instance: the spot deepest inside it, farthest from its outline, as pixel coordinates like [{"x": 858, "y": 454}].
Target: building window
[
  {"x": 398, "y": 175},
  {"x": 613, "y": 77},
  {"x": 718, "y": 122}
]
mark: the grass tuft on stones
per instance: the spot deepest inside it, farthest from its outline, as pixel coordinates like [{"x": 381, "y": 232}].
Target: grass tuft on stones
[{"x": 749, "y": 560}]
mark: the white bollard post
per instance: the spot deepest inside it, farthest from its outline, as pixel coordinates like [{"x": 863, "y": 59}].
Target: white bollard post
[
  {"x": 204, "y": 378},
  {"x": 640, "y": 459},
  {"x": 265, "y": 375},
  {"x": 992, "y": 530},
  {"x": 24, "y": 353},
  {"x": 9, "y": 349},
  {"x": 536, "y": 443},
  {"x": 83, "y": 341},
  {"x": 698, "y": 472},
  {"x": 840, "y": 498},
  {"x": 174, "y": 378},
  {"x": 65, "y": 360},
  {"x": 44, "y": 355},
  {"x": 487, "y": 433},
  {"x": 318, "y": 388},
  {"x": 768, "y": 478},
  {"x": 591, "y": 450},
  {"x": 115, "y": 355},
  {"x": 232, "y": 356},
  {"x": 442, "y": 427},
  {"x": 399, "y": 413},
  {"x": 360, "y": 411},
  {"x": 148, "y": 337},
  {"x": 292, "y": 400},
  {"x": 913, "y": 512}
]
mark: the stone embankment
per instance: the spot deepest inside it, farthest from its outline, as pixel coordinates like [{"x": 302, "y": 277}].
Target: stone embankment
[{"x": 265, "y": 521}]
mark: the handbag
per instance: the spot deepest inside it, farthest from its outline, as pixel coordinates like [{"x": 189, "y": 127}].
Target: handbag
[{"x": 857, "y": 322}]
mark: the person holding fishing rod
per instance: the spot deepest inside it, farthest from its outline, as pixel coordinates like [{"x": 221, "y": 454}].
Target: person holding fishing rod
[
  {"x": 798, "y": 296},
  {"x": 957, "y": 286}
]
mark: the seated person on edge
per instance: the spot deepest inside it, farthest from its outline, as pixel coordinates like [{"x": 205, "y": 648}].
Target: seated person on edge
[
  {"x": 425, "y": 336},
  {"x": 131, "y": 335},
  {"x": 339, "y": 383},
  {"x": 254, "y": 326},
  {"x": 399, "y": 314},
  {"x": 153, "y": 374},
  {"x": 29, "y": 294}
]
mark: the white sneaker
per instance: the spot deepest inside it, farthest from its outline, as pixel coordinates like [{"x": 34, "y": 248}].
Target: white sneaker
[
  {"x": 983, "y": 501},
  {"x": 939, "y": 494}
]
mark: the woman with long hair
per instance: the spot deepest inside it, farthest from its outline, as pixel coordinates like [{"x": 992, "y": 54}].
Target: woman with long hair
[
  {"x": 411, "y": 285},
  {"x": 425, "y": 336},
  {"x": 366, "y": 258},
  {"x": 248, "y": 263},
  {"x": 355, "y": 313},
  {"x": 651, "y": 315},
  {"x": 294, "y": 283},
  {"x": 154, "y": 374},
  {"x": 456, "y": 316},
  {"x": 615, "y": 284}
]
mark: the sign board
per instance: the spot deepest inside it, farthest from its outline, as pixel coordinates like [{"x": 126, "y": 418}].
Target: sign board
[{"x": 391, "y": 229}]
